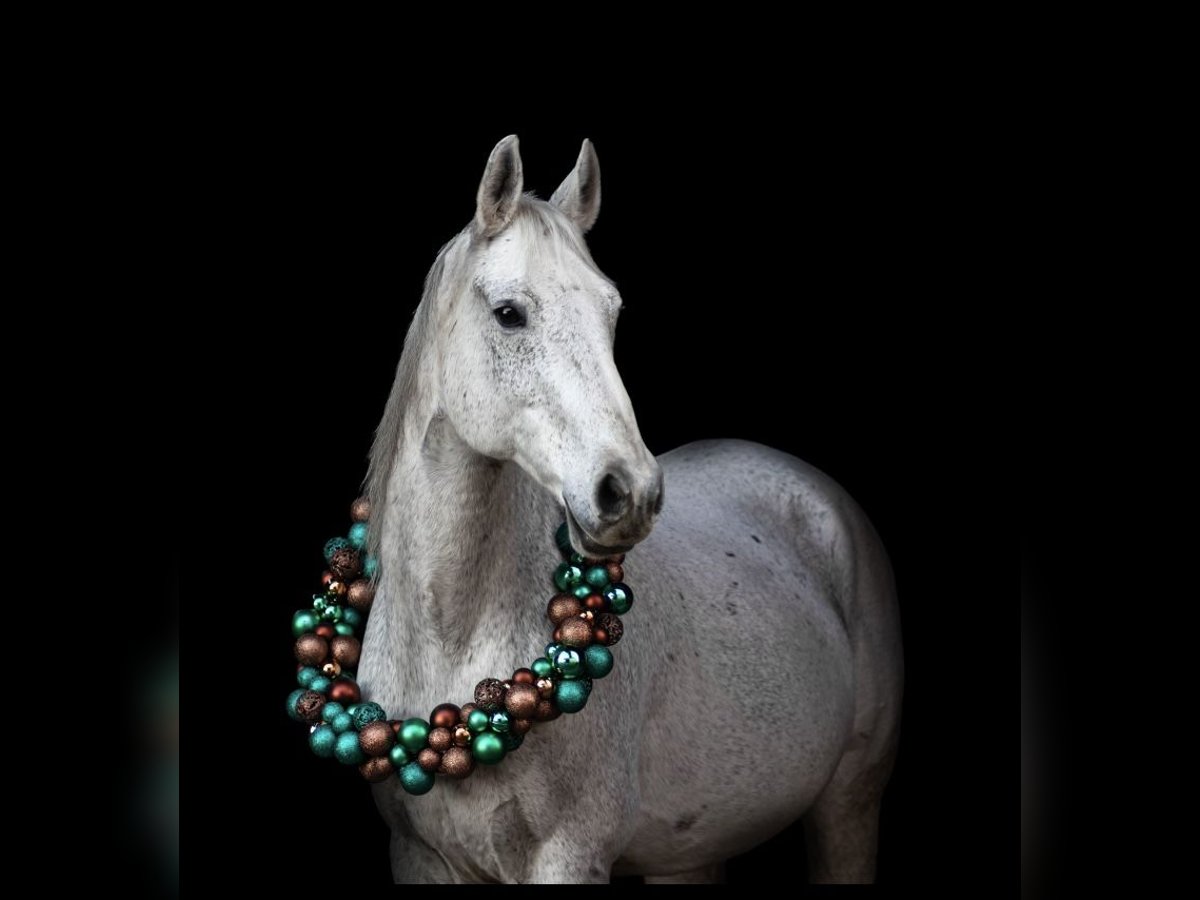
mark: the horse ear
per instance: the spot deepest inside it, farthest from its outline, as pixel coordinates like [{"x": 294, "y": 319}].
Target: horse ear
[
  {"x": 500, "y": 189},
  {"x": 579, "y": 194}
]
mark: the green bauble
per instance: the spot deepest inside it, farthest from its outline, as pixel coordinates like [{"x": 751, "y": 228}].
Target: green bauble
[
  {"x": 304, "y": 621},
  {"x": 562, "y": 537},
  {"x": 367, "y": 713},
  {"x": 416, "y": 780},
  {"x": 566, "y": 576},
  {"x": 331, "y": 613},
  {"x": 341, "y": 722},
  {"x": 488, "y": 748},
  {"x": 333, "y": 545},
  {"x": 581, "y": 591},
  {"x": 399, "y": 756},
  {"x": 345, "y": 629},
  {"x": 321, "y": 602},
  {"x": 568, "y": 662},
  {"x": 322, "y": 741},
  {"x": 620, "y": 598},
  {"x": 347, "y": 750},
  {"x": 597, "y": 661},
  {"x": 352, "y": 617},
  {"x": 597, "y": 577},
  {"x": 499, "y": 721},
  {"x": 321, "y": 684},
  {"x": 478, "y": 721},
  {"x": 358, "y": 535},
  {"x": 511, "y": 741},
  {"x": 306, "y": 675},
  {"x": 572, "y": 696},
  {"x": 291, "y": 704},
  {"x": 413, "y": 734},
  {"x": 541, "y": 667}
]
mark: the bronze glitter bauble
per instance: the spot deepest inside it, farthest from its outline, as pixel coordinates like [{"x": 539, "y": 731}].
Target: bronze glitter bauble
[
  {"x": 576, "y": 632},
  {"x": 377, "y": 769},
  {"x": 465, "y": 712},
  {"x": 346, "y": 651},
  {"x": 311, "y": 650},
  {"x": 608, "y": 629},
  {"x": 520, "y": 726},
  {"x": 360, "y": 595},
  {"x": 489, "y": 694},
  {"x": 457, "y": 762},
  {"x": 429, "y": 760},
  {"x": 360, "y": 509},
  {"x": 521, "y": 700},
  {"x": 561, "y": 607},
  {"x": 345, "y": 563},
  {"x": 309, "y": 706},
  {"x": 376, "y": 739},
  {"x": 546, "y": 710},
  {"x": 441, "y": 739}
]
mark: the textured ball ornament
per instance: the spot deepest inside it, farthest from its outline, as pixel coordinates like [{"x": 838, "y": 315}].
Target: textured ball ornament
[
  {"x": 357, "y": 535},
  {"x": 346, "y": 650},
  {"x": 462, "y": 735},
  {"x": 615, "y": 571},
  {"x": 523, "y": 676},
  {"x": 376, "y": 738},
  {"x": 413, "y": 734},
  {"x": 576, "y": 632},
  {"x": 304, "y": 620},
  {"x": 488, "y": 748},
  {"x": 347, "y": 750},
  {"x": 305, "y": 676},
  {"x": 596, "y": 577},
  {"x": 545, "y": 688},
  {"x": 332, "y": 546},
  {"x": 620, "y": 598},
  {"x": 320, "y": 684},
  {"x": 568, "y": 662},
  {"x": 489, "y": 694},
  {"x": 360, "y": 510},
  {"x": 546, "y": 710},
  {"x": 322, "y": 741},
  {"x": 499, "y": 721},
  {"x": 429, "y": 760},
  {"x": 521, "y": 700},
  {"x": 377, "y": 769},
  {"x": 360, "y": 595},
  {"x": 416, "y": 780},
  {"x": 367, "y": 713},
  {"x": 330, "y": 710},
  {"x": 332, "y": 669},
  {"x": 478, "y": 721},
  {"x": 292, "y": 699},
  {"x": 457, "y": 762},
  {"x": 541, "y": 668},
  {"x": 345, "y": 563},
  {"x": 370, "y": 566},
  {"x": 345, "y": 691},
  {"x": 342, "y": 722},
  {"x": 597, "y": 661},
  {"x": 520, "y": 726},
  {"x": 562, "y": 607},
  {"x": 444, "y": 716},
  {"x": 567, "y": 576},
  {"x": 608, "y": 629},
  {"x": 441, "y": 739},
  {"x": 308, "y": 707},
  {"x": 311, "y": 650},
  {"x": 572, "y": 696}
]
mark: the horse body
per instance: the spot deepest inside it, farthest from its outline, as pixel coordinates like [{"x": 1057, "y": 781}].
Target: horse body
[{"x": 759, "y": 676}]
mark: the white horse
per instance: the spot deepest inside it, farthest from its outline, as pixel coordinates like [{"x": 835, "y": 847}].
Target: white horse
[{"x": 760, "y": 674}]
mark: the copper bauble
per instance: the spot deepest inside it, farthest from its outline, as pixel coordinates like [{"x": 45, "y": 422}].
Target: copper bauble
[
  {"x": 345, "y": 691},
  {"x": 616, "y": 572},
  {"x": 524, "y": 676},
  {"x": 441, "y": 739},
  {"x": 346, "y": 651},
  {"x": 608, "y": 629},
  {"x": 521, "y": 700},
  {"x": 345, "y": 563},
  {"x": 376, "y": 739},
  {"x": 457, "y": 762},
  {"x": 546, "y": 710},
  {"x": 520, "y": 726},
  {"x": 562, "y": 607},
  {"x": 360, "y": 509},
  {"x": 489, "y": 694},
  {"x": 444, "y": 716},
  {"x": 377, "y": 769},
  {"x": 327, "y": 631},
  {"x": 576, "y": 632},
  {"x": 311, "y": 650},
  {"x": 429, "y": 760},
  {"x": 360, "y": 595}
]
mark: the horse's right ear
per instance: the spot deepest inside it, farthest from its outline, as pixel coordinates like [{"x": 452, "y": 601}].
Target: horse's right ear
[{"x": 500, "y": 189}]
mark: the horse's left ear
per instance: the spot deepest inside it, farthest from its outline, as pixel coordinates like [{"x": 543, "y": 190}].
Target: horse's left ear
[{"x": 579, "y": 194}]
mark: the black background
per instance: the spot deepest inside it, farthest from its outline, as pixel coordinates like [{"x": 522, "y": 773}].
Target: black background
[{"x": 809, "y": 284}]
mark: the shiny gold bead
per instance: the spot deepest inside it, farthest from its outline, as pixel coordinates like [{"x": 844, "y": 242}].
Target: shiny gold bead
[
  {"x": 587, "y": 615},
  {"x": 462, "y": 735},
  {"x": 336, "y": 587},
  {"x": 332, "y": 668},
  {"x": 545, "y": 687}
]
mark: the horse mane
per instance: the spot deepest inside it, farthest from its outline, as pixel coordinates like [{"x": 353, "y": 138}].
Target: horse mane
[{"x": 538, "y": 220}]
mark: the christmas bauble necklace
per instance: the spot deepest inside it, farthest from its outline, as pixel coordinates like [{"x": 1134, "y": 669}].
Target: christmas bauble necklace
[{"x": 586, "y": 614}]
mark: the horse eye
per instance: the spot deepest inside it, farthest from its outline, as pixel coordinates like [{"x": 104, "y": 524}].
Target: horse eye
[{"x": 510, "y": 317}]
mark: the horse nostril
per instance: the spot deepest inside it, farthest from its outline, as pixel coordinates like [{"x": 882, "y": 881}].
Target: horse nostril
[{"x": 611, "y": 496}]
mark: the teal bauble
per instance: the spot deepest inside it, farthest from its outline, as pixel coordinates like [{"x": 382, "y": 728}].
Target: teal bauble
[
  {"x": 333, "y": 545},
  {"x": 597, "y": 578},
  {"x": 341, "y": 722},
  {"x": 321, "y": 684},
  {"x": 416, "y": 780},
  {"x": 322, "y": 741},
  {"x": 619, "y": 597},
  {"x": 552, "y": 650},
  {"x": 352, "y": 617},
  {"x": 478, "y": 721},
  {"x": 511, "y": 741},
  {"x": 499, "y": 721},
  {"x": 358, "y": 535},
  {"x": 597, "y": 661},
  {"x": 304, "y": 621},
  {"x": 581, "y": 591},
  {"x": 331, "y": 613},
  {"x": 306, "y": 675},
  {"x": 576, "y": 560},
  {"x": 413, "y": 734},
  {"x": 347, "y": 750},
  {"x": 541, "y": 667},
  {"x": 399, "y": 756},
  {"x": 370, "y": 567},
  {"x": 345, "y": 629},
  {"x": 367, "y": 713},
  {"x": 331, "y": 711},
  {"x": 568, "y": 662},
  {"x": 566, "y": 576},
  {"x": 572, "y": 696},
  {"x": 291, "y": 704},
  {"x": 488, "y": 748},
  {"x": 562, "y": 537}
]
